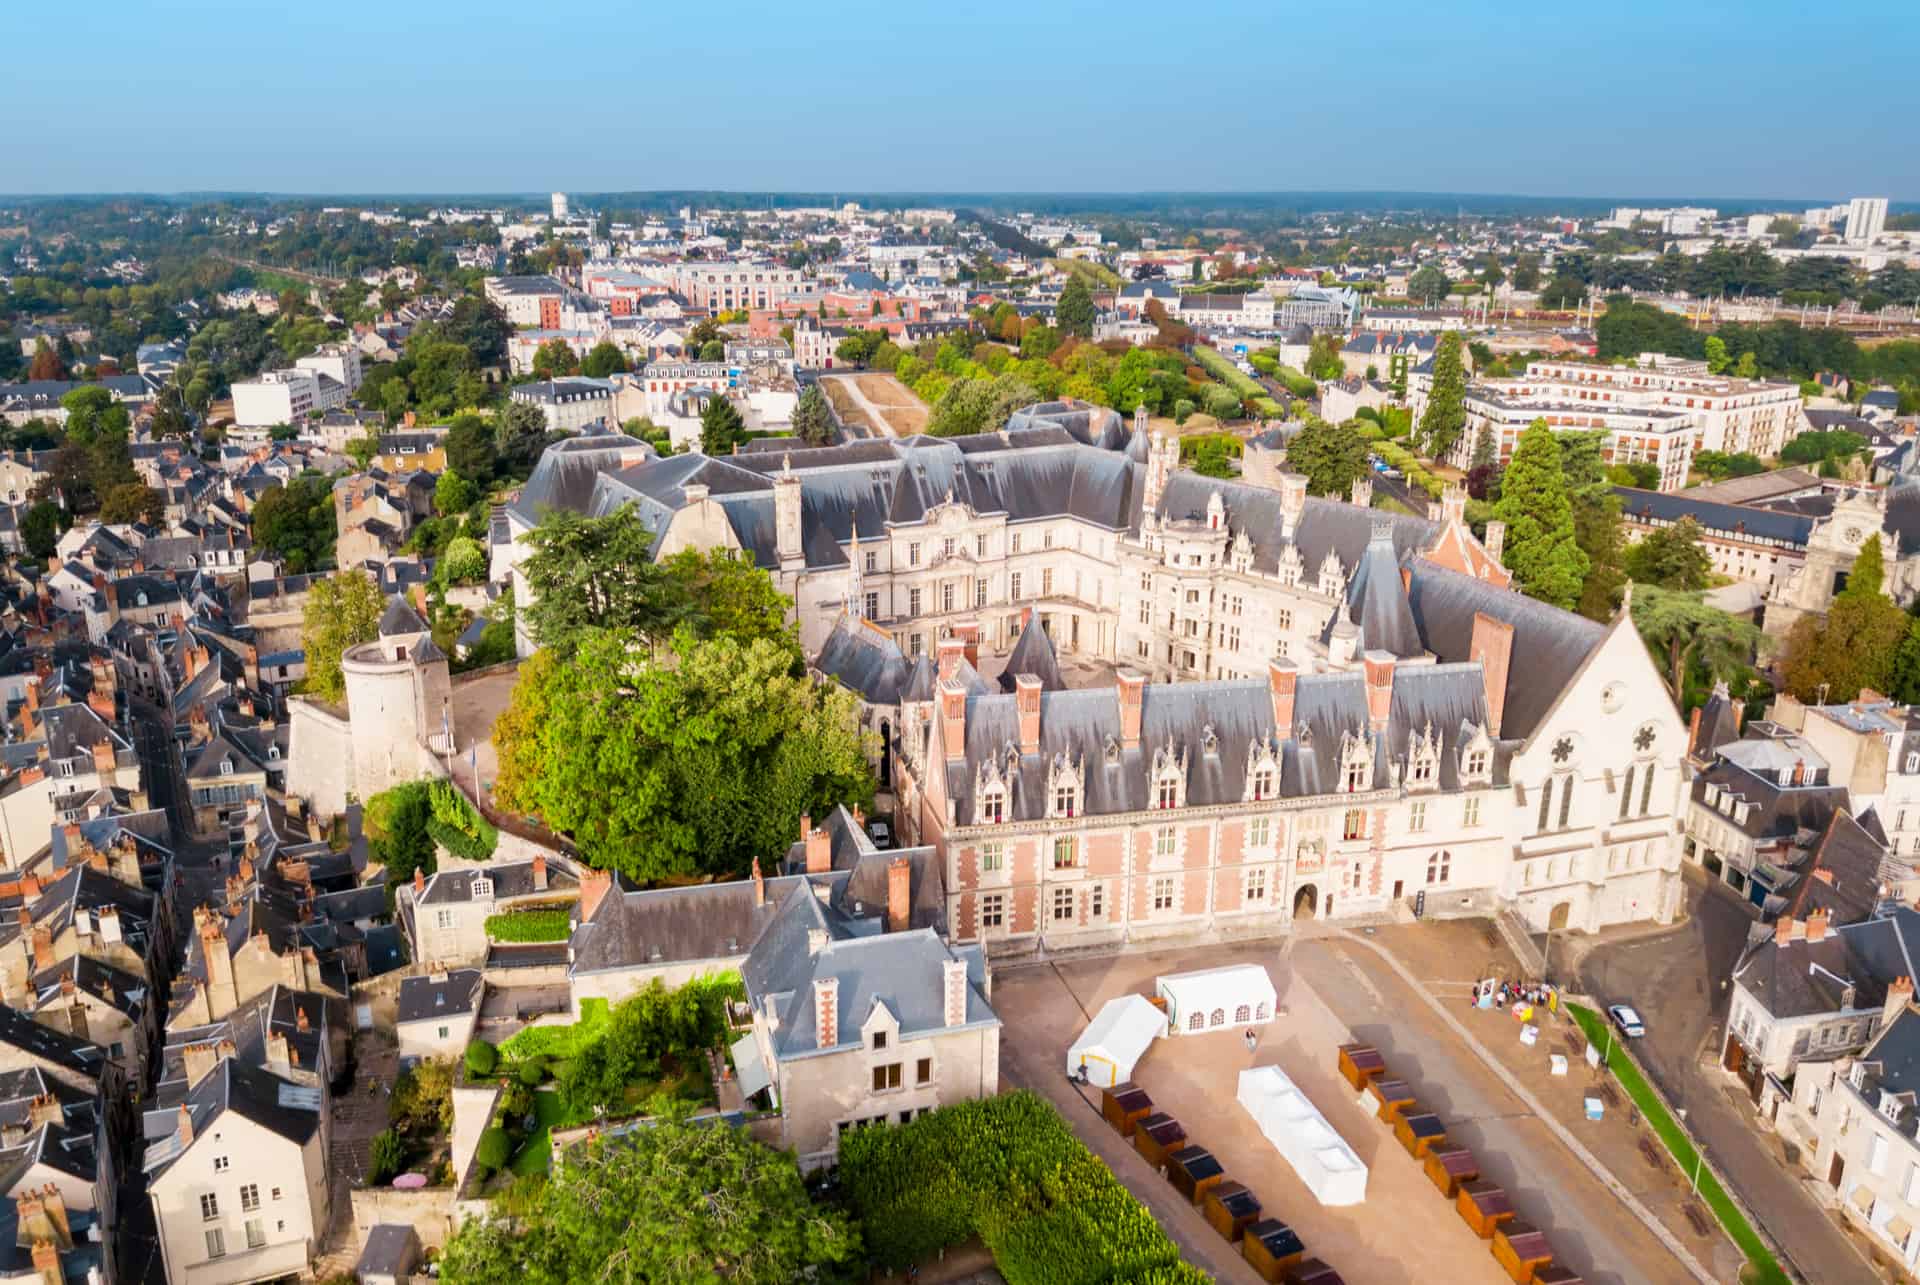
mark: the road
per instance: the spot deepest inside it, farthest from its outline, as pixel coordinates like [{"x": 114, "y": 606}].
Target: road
[
  {"x": 1675, "y": 980},
  {"x": 311, "y": 278}
]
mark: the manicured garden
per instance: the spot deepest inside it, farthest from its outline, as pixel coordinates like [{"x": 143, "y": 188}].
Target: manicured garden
[
  {"x": 1010, "y": 1171},
  {"x": 1229, "y": 374},
  {"x": 1761, "y": 1264},
  {"x": 534, "y": 924}
]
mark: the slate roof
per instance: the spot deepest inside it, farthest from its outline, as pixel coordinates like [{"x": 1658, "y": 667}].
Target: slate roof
[
  {"x": 289, "y": 1110},
  {"x": 400, "y": 618},
  {"x": 864, "y": 659},
  {"x": 1734, "y": 520},
  {"x": 1033, "y": 654},
  {"x": 423, "y": 998},
  {"x": 1843, "y": 876},
  {"x": 1803, "y": 978}
]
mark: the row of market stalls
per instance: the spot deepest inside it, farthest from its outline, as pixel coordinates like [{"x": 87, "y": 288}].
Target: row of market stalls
[
  {"x": 1195, "y": 1003},
  {"x": 1521, "y": 1249}
]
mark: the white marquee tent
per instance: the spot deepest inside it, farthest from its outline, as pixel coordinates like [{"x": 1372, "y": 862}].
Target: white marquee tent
[
  {"x": 1213, "y": 999},
  {"x": 1297, "y": 1130},
  {"x": 1115, "y": 1040}
]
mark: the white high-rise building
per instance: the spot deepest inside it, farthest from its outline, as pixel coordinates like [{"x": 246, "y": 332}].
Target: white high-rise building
[
  {"x": 559, "y": 207},
  {"x": 1866, "y": 218}
]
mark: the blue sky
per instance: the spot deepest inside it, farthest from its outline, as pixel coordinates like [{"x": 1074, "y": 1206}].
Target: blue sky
[{"x": 1636, "y": 98}]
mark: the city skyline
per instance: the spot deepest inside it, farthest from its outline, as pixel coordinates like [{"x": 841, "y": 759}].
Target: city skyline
[{"x": 1071, "y": 99}]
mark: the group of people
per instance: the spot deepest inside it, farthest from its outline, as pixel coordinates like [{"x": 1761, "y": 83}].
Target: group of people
[{"x": 1494, "y": 992}]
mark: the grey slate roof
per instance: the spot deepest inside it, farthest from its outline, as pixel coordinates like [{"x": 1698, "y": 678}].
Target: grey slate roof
[
  {"x": 1033, "y": 654},
  {"x": 423, "y": 998},
  {"x": 292, "y": 1111},
  {"x": 864, "y": 659},
  {"x": 1844, "y": 875}
]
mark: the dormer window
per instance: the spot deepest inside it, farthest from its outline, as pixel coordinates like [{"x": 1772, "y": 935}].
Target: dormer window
[
  {"x": 1167, "y": 793},
  {"x": 993, "y": 807},
  {"x": 1476, "y": 764},
  {"x": 1890, "y": 1105},
  {"x": 1065, "y": 800},
  {"x": 1262, "y": 783},
  {"x": 1356, "y": 763},
  {"x": 483, "y": 890},
  {"x": 226, "y": 767}
]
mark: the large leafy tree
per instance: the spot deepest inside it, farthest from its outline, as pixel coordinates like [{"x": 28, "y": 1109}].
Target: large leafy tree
[
  {"x": 680, "y": 769},
  {"x": 1331, "y": 457},
  {"x": 133, "y": 502},
  {"x": 296, "y": 521},
  {"x": 603, "y": 359},
  {"x": 812, "y": 420},
  {"x": 1671, "y": 557},
  {"x": 519, "y": 435},
  {"x": 979, "y": 405},
  {"x": 1074, "y": 314},
  {"x": 1858, "y": 643},
  {"x": 588, "y": 573},
  {"x": 1446, "y": 414},
  {"x": 555, "y": 357},
  {"x": 1323, "y": 357},
  {"x": 681, "y": 1202},
  {"x": 721, "y": 427},
  {"x": 1541, "y": 550},
  {"x": 1686, "y": 634},
  {"x": 1598, "y": 531},
  {"x": 342, "y": 611},
  {"x": 1428, "y": 285},
  {"x": 470, "y": 445},
  {"x": 41, "y": 528}
]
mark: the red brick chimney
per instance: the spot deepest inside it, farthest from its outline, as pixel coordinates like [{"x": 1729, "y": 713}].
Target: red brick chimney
[
  {"x": 539, "y": 872},
  {"x": 594, "y": 886},
  {"x": 948, "y": 653},
  {"x": 953, "y": 719},
  {"x": 1899, "y": 995},
  {"x": 826, "y": 1010},
  {"x": 1817, "y": 925},
  {"x": 1492, "y": 647},
  {"x": 759, "y": 885},
  {"x": 1132, "y": 693},
  {"x": 1379, "y": 671},
  {"x": 819, "y": 846},
  {"x": 968, "y": 632},
  {"x": 1283, "y": 676},
  {"x": 1026, "y": 697},
  {"x": 899, "y": 893}
]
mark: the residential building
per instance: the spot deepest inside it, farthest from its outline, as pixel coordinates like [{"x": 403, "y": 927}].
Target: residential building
[
  {"x": 339, "y": 362},
  {"x": 1227, "y": 311},
  {"x": 570, "y": 404},
  {"x": 1761, "y": 546},
  {"x": 445, "y": 917},
  {"x": 1756, "y": 812},
  {"x": 1866, "y": 219},
  {"x": 726, "y": 287},
  {"x": 284, "y": 397},
  {"x": 530, "y": 302},
  {"x": 439, "y": 1012}
]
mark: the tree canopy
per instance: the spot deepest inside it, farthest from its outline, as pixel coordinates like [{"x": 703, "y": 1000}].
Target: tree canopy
[
  {"x": 296, "y": 521},
  {"x": 1541, "y": 550},
  {"x": 1074, "y": 314},
  {"x": 672, "y": 770},
  {"x": 1858, "y": 643},
  {"x": 812, "y": 419},
  {"x": 1332, "y": 457},
  {"x": 721, "y": 427},
  {"x": 675, "y": 1201},
  {"x": 1686, "y": 633},
  {"x": 1671, "y": 557},
  {"x": 1446, "y": 416},
  {"x": 342, "y": 611}
]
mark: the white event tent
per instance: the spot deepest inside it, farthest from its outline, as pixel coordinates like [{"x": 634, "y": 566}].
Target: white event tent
[
  {"x": 1115, "y": 1040},
  {"x": 1214, "y": 999},
  {"x": 1297, "y": 1130}
]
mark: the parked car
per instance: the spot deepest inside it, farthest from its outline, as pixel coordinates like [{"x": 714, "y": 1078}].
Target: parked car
[
  {"x": 880, "y": 832},
  {"x": 1627, "y": 1020}
]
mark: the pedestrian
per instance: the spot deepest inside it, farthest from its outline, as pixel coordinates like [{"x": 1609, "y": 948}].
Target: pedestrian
[{"x": 1252, "y": 1039}]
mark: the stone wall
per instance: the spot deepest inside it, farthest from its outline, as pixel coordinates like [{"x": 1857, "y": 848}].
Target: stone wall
[
  {"x": 321, "y": 758},
  {"x": 430, "y": 1212}
]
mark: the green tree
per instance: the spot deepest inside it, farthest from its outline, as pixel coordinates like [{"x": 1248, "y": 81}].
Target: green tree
[
  {"x": 470, "y": 446},
  {"x": 1323, "y": 357},
  {"x": 721, "y": 428},
  {"x": 41, "y": 528},
  {"x": 675, "y": 770},
  {"x": 398, "y": 836},
  {"x": 1526, "y": 272},
  {"x": 596, "y": 572},
  {"x": 362, "y": 449},
  {"x": 603, "y": 359},
  {"x": 296, "y": 521},
  {"x": 1747, "y": 367},
  {"x": 342, "y": 611},
  {"x": 1684, "y": 632},
  {"x": 519, "y": 435},
  {"x": 1428, "y": 286},
  {"x": 979, "y": 405},
  {"x": 713, "y": 350},
  {"x": 453, "y": 494},
  {"x": 721, "y": 592},
  {"x": 1598, "y": 531},
  {"x": 1858, "y": 643},
  {"x": 1446, "y": 415},
  {"x": 1332, "y": 457},
  {"x": 672, "y": 1202},
  {"x": 812, "y": 418},
  {"x": 1717, "y": 356},
  {"x": 464, "y": 561},
  {"x": 1671, "y": 557},
  {"x": 133, "y": 502},
  {"x": 554, "y": 358},
  {"x": 1541, "y": 551},
  {"x": 1074, "y": 314}
]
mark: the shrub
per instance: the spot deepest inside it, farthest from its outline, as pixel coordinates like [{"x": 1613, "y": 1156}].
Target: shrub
[
  {"x": 494, "y": 1150},
  {"x": 531, "y": 1072},
  {"x": 385, "y": 1156},
  {"x": 516, "y": 1103},
  {"x": 482, "y": 1057},
  {"x": 1182, "y": 410},
  {"x": 456, "y": 826}
]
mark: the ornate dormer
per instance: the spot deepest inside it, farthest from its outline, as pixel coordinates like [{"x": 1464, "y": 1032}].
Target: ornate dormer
[
  {"x": 1356, "y": 762},
  {"x": 1066, "y": 786},
  {"x": 1170, "y": 776},
  {"x": 1209, "y": 741},
  {"x": 1333, "y": 578},
  {"x": 1476, "y": 756},
  {"x": 992, "y": 794},
  {"x": 1423, "y": 759},
  {"x": 1291, "y": 568},
  {"x": 1263, "y": 770},
  {"x": 1216, "y": 512},
  {"x": 1242, "y": 555},
  {"x": 1111, "y": 750}
]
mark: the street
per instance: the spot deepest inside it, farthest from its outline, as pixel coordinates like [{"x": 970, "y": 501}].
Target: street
[{"x": 1674, "y": 979}]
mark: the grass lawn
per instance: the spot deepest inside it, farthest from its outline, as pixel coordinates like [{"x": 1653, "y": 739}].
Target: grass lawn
[
  {"x": 558, "y": 1041},
  {"x": 1762, "y": 1267},
  {"x": 550, "y": 1113}
]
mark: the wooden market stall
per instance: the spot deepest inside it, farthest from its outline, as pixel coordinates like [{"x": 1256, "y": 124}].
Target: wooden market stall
[
  {"x": 1124, "y": 1106},
  {"x": 1360, "y": 1063},
  {"x": 1230, "y": 1209},
  {"x": 1483, "y": 1206},
  {"x": 1420, "y": 1133},
  {"x": 1521, "y": 1249},
  {"x": 1390, "y": 1098},
  {"x": 1271, "y": 1247},
  {"x": 1158, "y": 1136},
  {"x": 1193, "y": 1170},
  {"x": 1311, "y": 1271},
  {"x": 1448, "y": 1167},
  {"x": 1555, "y": 1274}
]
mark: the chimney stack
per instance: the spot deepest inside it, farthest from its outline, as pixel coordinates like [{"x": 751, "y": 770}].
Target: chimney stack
[
  {"x": 826, "y": 1010},
  {"x": 200, "y": 1059},
  {"x": 1785, "y": 929},
  {"x": 819, "y": 846},
  {"x": 594, "y": 886},
  {"x": 1492, "y": 648},
  {"x": 1283, "y": 675},
  {"x": 899, "y": 893},
  {"x": 953, "y": 719},
  {"x": 1133, "y": 694},
  {"x": 948, "y": 653},
  {"x": 968, "y": 632},
  {"x": 539, "y": 872},
  {"x": 1496, "y": 541},
  {"x": 1453, "y": 504},
  {"x": 1026, "y": 697},
  {"x": 1293, "y": 502},
  {"x": 1817, "y": 925},
  {"x": 953, "y": 991},
  {"x": 759, "y": 885},
  {"x": 1378, "y": 666}
]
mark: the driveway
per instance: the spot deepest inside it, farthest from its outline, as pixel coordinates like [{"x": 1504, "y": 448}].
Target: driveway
[{"x": 1677, "y": 981}]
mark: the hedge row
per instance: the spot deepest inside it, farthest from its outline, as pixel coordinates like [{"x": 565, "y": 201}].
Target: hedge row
[
  {"x": 530, "y": 925},
  {"x": 1229, "y": 374},
  {"x": 1010, "y": 1171},
  {"x": 1410, "y": 464},
  {"x": 456, "y": 826}
]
